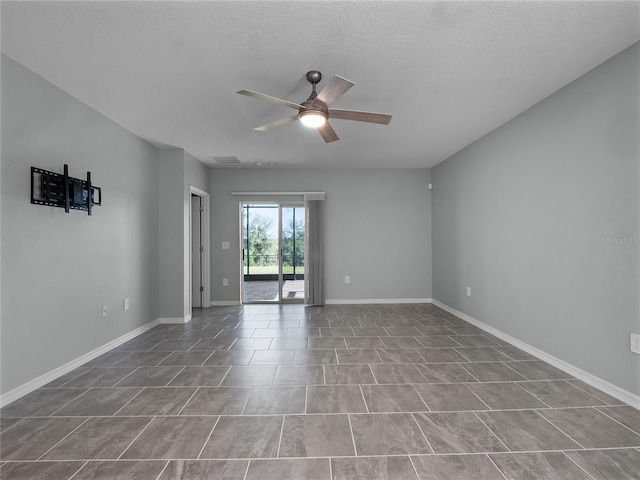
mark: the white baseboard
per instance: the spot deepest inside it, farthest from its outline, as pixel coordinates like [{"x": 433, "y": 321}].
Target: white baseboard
[
  {"x": 175, "y": 320},
  {"x": 225, "y": 303},
  {"x": 608, "y": 388},
  {"x": 30, "y": 386},
  {"x": 376, "y": 301}
]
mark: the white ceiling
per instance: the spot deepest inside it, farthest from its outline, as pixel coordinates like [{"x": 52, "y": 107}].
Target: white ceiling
[{"x": 449, "y": 72}]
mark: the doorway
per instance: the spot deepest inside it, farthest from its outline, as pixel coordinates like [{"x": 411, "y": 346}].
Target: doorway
[
  {"x": 198, "y": 280},
  {"x": 197, "y": 251},
  {"x": 272, "y": 252}
]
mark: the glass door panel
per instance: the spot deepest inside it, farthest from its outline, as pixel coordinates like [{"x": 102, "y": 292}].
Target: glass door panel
[
  {"x": 260, "y": 254},
  {"x": 292, "y": 253}
]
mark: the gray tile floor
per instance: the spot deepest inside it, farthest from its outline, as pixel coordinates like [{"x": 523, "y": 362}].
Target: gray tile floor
[{"x": 333, "y": 393}]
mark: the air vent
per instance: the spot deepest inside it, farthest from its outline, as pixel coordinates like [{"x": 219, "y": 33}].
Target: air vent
[{"x": 226, "y": 160}]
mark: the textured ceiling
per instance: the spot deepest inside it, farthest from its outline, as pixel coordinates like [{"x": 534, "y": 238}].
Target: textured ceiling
[{"x": 449, "y": 72}]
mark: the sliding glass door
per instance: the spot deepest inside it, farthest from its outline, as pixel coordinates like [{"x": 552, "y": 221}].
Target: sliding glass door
[
  {"x": 272, "y": 253},
  {"x": 292, "y": 241}
]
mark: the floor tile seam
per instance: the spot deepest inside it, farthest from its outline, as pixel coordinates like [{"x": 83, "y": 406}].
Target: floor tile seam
[
  {"x": 5, "y": 430},
  {"x": 306, "y": 396},
  {"x": 159, "y": 476},
  {"x": 472, "y": 375},
  {"x": 597, "y": 408},
  {"x": 413, "y": 466},
  {"x": 578, "y": 465},
  {"x": 182, "y": 415},
  {"x": 363, "y": 399},
  {"x": 71, "y": 379},
  {"x": 78, "y": 471},
  {"x": 353, "y": 438},
  {"x": 208, "y": 438},
  {"x": 533, "y": 394},
  {"x": 188, "y": 401},
  {"x": 423, "y": 434},
  {"x": 127, "y": 403},
  {"x": 246, "y": 402},
  {"x": 492, "y": 433},
  {"x": 63, "y": 406},
  {"x": 64, "y": 437},
  {"x": 496, "y": 466},
  {"x": 506, "y": 364},
  {"x": 571, "y": 380},
  {"x": 558, "y": 428},
  {"x": 137, "y": 436},
  {"x": 478, "y": 397},
  {"x": 280, "y": 437},
  {"x": 246, "y": 470},
  {"x": 200, "y": 459},
  {"x": 99, "y": 459}
]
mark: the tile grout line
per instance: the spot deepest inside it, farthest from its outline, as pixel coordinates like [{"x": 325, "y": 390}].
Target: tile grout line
[
  {"x": 129, "y": 401},
  {"x": 246, "y": 471},
  {"x": 247, "y": 400},
  {"x": 413, "y": 417},
  {"x": 78, "y": 471},
  {"x": 188, "y": 401},
  {"x": 137, "y": 436},
  {"x": 70, "y": 401},
  {"x": 495, "y": 465},
  {"x": 161, "y": 471},
  {"x": 64, "y": 438},
  {"x": 280, "y": 437},
  {"x": 306, "y": 394},
  {"x": 364, "y": 399},
  {"x": 533, "y": 394},
  {"x": 182, "y": 369},
  {"x": 597, "y": 408},
  {"x": 415, "y": 470},
  {"x": 601, "y": 399},
  {"x": 208, "y": 437},
  {"x": 578, "y": 465},
  {"x": 353, "y": 438},
  {"x": 471, "y": 374},
  {"x": 559, "y": 429},
  {"x": 493, "y": 433}
]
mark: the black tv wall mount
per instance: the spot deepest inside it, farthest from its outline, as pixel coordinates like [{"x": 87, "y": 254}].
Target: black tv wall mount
[{"x": 61, "y": 190}]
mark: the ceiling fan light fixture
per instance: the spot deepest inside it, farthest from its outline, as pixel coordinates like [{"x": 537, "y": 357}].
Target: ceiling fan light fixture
[{"x": 313, "y": 118}]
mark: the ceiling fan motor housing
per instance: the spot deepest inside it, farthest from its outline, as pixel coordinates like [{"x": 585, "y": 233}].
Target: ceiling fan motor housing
[{"x": 314, "y": 77}]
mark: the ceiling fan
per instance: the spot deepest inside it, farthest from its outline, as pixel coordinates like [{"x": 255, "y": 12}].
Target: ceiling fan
[{"x": 315, "y": 111}]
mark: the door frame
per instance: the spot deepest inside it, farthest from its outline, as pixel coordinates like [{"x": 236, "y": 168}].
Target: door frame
[
  {"x": 279, "y": 205},
  {"x": 205, "y": 232}
]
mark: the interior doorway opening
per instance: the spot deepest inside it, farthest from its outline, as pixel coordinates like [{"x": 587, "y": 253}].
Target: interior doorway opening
[
  {"x": 199, "y": 270},
  {"x": 272, "y": 252},
  {"x": 197, "y": 252}
]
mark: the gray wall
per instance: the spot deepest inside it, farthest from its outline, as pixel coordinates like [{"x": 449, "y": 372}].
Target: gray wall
[
  {"x": 533, "y": 218},
  {"x": 377, "y": 228},
  {"x": 171, "y": 213},
  {"x": 178, "y": 170},
  {"x": 59, "y": 269}
]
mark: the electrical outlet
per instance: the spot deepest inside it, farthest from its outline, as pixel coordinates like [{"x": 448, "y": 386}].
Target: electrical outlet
[
  {"x": 125, "y": 304},
  {"x": 104, "y": 310},
  {"x": 225, "y": 245},
  {"x": 347, "y": 279},
  {"x": 635, "y": 343},
  {"x": 225, "y": 282},
  {"x": 468, "y": 291}
]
